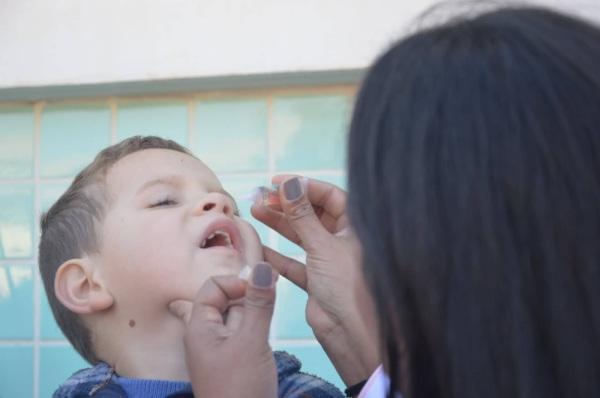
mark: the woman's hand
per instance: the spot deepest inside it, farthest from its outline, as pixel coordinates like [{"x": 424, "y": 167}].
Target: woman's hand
[
  {"x": 227, "y": 348},
  {"x": 314, "y": 217}
]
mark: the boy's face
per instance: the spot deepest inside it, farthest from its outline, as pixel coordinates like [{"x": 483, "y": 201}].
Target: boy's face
[{"x": 169, "y": 227}]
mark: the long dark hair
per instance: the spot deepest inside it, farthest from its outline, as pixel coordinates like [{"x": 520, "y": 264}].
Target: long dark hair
[{"x": 474, "y": 179}]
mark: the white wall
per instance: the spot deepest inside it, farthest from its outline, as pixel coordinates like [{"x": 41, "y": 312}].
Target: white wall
[{"x": 62, "y": 42}]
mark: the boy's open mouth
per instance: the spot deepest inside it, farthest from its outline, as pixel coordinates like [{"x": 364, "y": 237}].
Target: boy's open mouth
[
  {"x": 221, "y": 233},
  {"x": 217, "y": 238}
]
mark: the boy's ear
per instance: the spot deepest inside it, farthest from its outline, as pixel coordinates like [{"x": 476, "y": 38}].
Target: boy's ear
[{"x": 80, "y": 289}]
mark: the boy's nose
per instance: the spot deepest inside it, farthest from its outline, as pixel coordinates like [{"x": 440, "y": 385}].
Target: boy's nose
[{"x": 215, "y": 202}]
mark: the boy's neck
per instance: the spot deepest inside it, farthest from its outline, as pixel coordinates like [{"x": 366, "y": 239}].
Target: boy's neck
[{"x": 151, "y": 352}]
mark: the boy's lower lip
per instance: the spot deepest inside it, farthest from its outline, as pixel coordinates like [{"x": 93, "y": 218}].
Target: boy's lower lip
[{"x": 223, "y": 248}]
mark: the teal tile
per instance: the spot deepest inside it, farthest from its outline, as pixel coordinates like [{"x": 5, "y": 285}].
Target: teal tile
[
  {"x": 166, "y": 120},
  {"x": 16, "y": 143},
  {"x": 49, "y": 194},
  {"x": 232, "y": 135},
  {"x": 337, "y": 180},
  {"x": 287, "y": 247},
  {"x": 56, "y": 365},
  {"x": 71, "y": 137},
  {"x": 16, "y": 302},
  {"x": 314, "y": 361},
  {"x": 16, "y": 221},
  {"x": 289, "y": 321},
  {"x": 239, "y": 186},
  {"x": 310, "y": 132},
  {"x": 16, "y": 372},
  {"x": 49, "y": 330}
]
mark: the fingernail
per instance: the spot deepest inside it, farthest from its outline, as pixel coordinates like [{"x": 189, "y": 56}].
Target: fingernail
[
  {"x": 262, "y": 276},
  {"x": 292, "y": 189}
]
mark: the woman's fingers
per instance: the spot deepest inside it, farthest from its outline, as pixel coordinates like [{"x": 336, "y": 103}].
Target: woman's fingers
[
  {"x": 321, "y": 194},
  {"x": 228, "y": 336},
  {"x": 287, "y": 267},
  {"x": 211, "y": 302},
  {"x": 234, "y": 315},
  {"x": 327, "y": 200},
  {"x": 228, "y": 303}
]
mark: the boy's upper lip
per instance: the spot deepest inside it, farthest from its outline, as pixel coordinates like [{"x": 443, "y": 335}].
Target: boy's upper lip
[{"x": 225, "y": 224}]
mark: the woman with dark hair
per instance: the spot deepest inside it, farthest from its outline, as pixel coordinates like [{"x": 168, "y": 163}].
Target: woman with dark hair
[{"x": 474, "y": 190}]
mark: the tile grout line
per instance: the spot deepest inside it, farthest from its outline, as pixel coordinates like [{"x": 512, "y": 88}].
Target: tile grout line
[
  {"x": 18, "y": 343},
  {"x": 17, "y": 182},
  {"x": 65, "y": 343},
  {"x": 270, "y": 138},
  {"x": 32, "y": 181},
  {"x": 112, "y": 104},
  {"x": 38, "y": 107},
  {"x": 299, "y": 342},
  {"x": 30, "y": 343},
  {"x": 233, "y": 174},
  {"x": 18, "y": 262},
  {"x": 191, "y": 125},
  {"x": 270, "y": 173}
]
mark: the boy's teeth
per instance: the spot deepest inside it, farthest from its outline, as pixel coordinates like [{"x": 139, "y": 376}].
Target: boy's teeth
[{"x": 225, "y": 236}]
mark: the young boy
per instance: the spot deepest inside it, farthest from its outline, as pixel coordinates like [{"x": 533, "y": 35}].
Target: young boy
[{"x": 144, "y": 225}]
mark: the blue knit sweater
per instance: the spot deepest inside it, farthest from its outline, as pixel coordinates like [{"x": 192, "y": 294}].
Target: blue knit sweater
[{"x": 102, "y": 382}]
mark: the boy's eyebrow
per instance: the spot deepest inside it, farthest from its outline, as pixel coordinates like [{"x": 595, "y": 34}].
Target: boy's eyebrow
[{"x": 170, "y": 180}]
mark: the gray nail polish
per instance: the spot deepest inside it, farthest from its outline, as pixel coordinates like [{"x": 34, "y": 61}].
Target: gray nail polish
[
  {"x": 292, "y": 189},
  {"x": 262, "y": 275}
]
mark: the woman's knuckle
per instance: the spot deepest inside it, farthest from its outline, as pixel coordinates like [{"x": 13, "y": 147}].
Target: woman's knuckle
[{"x": 301, "y": 211}]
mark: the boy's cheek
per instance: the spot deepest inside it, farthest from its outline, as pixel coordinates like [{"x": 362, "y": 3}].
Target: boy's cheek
[
  {"x": 252, "y": 243},
  {"x": 153, "y": 292}
]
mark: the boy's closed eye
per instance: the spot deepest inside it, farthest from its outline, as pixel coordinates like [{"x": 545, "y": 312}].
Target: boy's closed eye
[
  {"x": 167, "y": 202},
  {"x": 163, "y": 202}
]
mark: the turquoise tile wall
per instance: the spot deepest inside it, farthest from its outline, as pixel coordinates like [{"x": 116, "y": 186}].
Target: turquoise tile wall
[
  {"x": 234, "y": 144},
  {"x": 245, "y": 139},
  {"x": 309, "y": 132},
  {"x": 16, "y": 221},
  {"x": 168, "y": 120},
  {"x": 16, "y": 368},
  {"x": 16, "y": 143},
  {"x": 52, "y": 375},
  {"x": 71, "y": 136},
  {"x": 16, "y": 301},
  {"x": 289, "y": 321}
]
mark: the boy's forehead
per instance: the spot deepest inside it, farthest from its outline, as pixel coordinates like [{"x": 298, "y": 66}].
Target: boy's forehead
[{"x": 146, "y": 165}]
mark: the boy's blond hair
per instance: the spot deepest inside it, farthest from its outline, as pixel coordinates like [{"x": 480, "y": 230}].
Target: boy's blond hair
[{"x": 69, "y": 229}]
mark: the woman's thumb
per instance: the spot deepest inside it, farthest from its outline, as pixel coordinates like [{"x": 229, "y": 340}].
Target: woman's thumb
[{"x": 260, "y": 300}]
